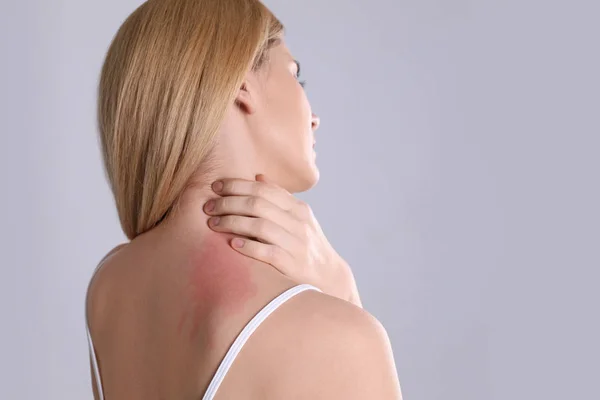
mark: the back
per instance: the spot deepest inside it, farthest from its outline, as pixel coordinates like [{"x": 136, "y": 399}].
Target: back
[{"x": 163, "y": 317}]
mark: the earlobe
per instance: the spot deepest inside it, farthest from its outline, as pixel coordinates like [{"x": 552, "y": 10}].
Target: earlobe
[{"x": 244, "y": 99}]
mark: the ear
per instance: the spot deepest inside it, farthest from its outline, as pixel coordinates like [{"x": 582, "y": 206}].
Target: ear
[{"x": 246, "y": 98}]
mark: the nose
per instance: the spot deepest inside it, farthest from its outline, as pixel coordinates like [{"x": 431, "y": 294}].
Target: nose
[{"x": 316, "y": 121}]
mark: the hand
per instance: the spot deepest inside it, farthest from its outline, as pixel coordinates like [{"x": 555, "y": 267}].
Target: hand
[{"x": 280, "y": 230}]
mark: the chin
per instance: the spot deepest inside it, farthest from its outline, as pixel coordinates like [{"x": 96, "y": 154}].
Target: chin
[
  {"x": 305, "y": 180},
  {"x": 295, "y": 175}
]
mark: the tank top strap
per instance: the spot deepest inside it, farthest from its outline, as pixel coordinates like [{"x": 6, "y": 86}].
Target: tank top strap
[
  {"x": 247, "y": 332},
  {"x": 92, "y": 350},
  {"x": 231, "y": 354}
]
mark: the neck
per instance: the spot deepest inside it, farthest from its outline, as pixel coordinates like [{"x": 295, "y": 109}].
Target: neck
[
  {"x": 187, "y": 222},
  {"x": 234, "y": 156},
  {"x": 186, "y": 231}
]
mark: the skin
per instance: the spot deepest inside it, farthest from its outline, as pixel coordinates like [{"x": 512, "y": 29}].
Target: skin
[
  {"x": 164, "y": 308},
  {"x": 210, "y": 283},
  {"x": 282, "y": 231}
]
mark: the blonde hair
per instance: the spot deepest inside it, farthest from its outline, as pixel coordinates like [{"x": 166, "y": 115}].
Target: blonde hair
[{"x": 169, "y": 75}]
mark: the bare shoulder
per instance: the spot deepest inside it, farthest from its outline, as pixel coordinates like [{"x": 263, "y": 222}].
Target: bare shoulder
[
  {"x": 321, "y": 347},
  {"x": 99, "y": 283}
]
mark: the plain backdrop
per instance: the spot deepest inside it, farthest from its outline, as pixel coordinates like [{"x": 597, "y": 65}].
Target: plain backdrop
[{"x": 459, "y": 158}]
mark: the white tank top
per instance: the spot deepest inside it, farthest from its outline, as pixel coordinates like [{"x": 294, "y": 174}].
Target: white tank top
[{"x": 231, "y": 353}]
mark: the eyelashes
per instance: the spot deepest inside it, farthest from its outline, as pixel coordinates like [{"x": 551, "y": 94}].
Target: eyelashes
[{"x": 302, "y": 83}]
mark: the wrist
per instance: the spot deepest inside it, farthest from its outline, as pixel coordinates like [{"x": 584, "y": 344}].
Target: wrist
[
  {"x": 349, "y": 288},
  {"x": 355, "y": 299}
]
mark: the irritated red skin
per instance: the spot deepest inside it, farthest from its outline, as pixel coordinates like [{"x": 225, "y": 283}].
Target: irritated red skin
[{"x": 216, "y": 278}]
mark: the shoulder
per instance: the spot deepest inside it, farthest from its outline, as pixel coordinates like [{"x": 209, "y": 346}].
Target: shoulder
[
  {"x": 321, "y": 347},
  {"x": 99, "y": 285}
]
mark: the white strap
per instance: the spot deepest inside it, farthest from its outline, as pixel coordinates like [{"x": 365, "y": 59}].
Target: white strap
[
  {"x": 95, "y": 364},
  {"x": 231, "y": 353},
  {"x": 245, "y": 334},
  {"x": 89, "y": 335}
]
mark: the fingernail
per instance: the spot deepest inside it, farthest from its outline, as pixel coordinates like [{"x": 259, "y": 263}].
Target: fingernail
[
  {"x": 210, "y": 205},
  {"x": 217, "y": 186},
  {"x": 238, "y": 243},
  {"x": 215, "y": 221}
]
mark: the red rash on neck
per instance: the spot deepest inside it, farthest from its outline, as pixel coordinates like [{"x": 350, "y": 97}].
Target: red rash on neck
[{"x": 217, "y": 278}]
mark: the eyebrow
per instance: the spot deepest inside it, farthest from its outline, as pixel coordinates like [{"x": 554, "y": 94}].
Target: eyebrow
[{"x": 298, "y": 66}]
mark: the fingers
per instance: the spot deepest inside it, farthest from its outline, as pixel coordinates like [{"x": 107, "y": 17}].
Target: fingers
[
  {"x": 268, "y": 191},
  {"x": 264, "y": 230},
  {"x": 262, "y": 178},
  {"x": 252, "y": 207},
  {"x": 266, "y": 253}
]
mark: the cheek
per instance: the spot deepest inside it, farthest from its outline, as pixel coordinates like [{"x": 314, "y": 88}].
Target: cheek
[
  {"x": 287, "y": 128},
  {"x": 290, "y": 103},
  {"x": 298, "y": 120}
]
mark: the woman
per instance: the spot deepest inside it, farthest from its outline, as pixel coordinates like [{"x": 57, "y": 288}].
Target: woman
[{"x": 197, "y": 98}]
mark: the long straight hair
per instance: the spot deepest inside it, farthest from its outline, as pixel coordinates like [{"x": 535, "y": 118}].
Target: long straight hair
[{"x": 169, "y": 75}]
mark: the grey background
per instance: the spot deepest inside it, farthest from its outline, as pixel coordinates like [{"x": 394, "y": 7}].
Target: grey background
[{"x": 459, "y": 160}]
